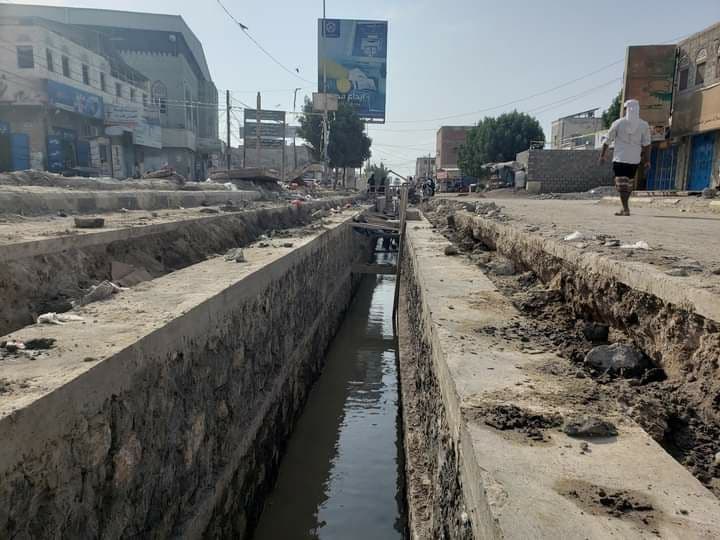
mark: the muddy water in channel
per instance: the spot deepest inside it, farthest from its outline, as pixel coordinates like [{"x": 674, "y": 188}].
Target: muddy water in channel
[{"x": 341, "y": 476}]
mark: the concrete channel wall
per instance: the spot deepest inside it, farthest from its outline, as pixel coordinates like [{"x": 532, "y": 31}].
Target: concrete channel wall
[
  {"x": 164, "y": 413},
  {"x": 34, "y": 203},
  {"x": 470, "y": 475},
  {"x": 44, "y": 275}
]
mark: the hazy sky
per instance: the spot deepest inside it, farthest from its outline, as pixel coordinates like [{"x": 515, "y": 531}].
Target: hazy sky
[{"x": 445, "y": 58}]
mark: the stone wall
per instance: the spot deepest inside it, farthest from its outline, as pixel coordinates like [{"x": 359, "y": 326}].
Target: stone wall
[
  {"x": 566, "y": 171},
  {"x": 177, "y": 429}
]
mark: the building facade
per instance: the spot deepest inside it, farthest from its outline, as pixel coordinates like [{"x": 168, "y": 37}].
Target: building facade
[
  {"x": 425, "y": 167},
  {"x": 576, "y": 132},
  {"x": 155, "y": 88},
  {"x": 690, "y": 158},
  {"x": 448, "y": 142}
]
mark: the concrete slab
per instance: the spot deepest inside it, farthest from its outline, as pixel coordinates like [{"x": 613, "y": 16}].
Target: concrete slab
[{"x": 516, "y": 487}]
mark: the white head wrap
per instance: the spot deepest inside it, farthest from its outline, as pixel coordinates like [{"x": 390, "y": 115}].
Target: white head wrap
[{"x": 632, "y": 114}]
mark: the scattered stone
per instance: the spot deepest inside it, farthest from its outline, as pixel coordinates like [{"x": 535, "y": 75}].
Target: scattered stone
[
  {"x": 40, "y": 344},
  {"x": 62, "y": 214},
  {"x": 263, "y": 244},
  {"x": 584, "y": 447},
  {"x": 709, "y": 193},
  {"x": 209, "y": 211},
  {"x": 235, "y": 254},
  {"x": 451, "y": 251},
  {"x": 89, "y": 223},
  {"x": 501, "y": 267},
  {"x": 589, "y": 426},
  {"x": 612, "y": 243},
  {"x": 511, "y": 417},
  {"x": 90, "y": 359},
  {"x": 677, "y": 272},
  {"x": 288, "y": 244},
  {"x": 481, "y": 259},
  {"x": 616, "y": 359}
]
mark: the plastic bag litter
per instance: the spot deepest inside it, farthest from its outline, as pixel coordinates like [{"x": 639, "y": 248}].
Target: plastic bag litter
[
  {"x": 640, "y": 244},
  {"x": 99, "y": 292},
  {"x": 57, "y": 318},
  {"x": 574, "y": 237}
]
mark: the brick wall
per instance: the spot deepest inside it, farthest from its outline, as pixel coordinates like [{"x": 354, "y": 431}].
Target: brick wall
[{"x": 566, "y": 171}]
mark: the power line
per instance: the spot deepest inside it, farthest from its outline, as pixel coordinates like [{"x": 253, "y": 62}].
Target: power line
[{"x": 259, "y": 46}]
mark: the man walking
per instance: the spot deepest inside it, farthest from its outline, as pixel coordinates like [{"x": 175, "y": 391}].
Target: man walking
[{"x": 631, "y": 136}]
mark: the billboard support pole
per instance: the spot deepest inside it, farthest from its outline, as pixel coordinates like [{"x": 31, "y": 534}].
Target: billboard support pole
[{"x": 227, "y": 114}]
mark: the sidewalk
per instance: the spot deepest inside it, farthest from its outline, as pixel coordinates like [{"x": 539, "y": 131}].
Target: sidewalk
[{"x": 672, "y": 235}]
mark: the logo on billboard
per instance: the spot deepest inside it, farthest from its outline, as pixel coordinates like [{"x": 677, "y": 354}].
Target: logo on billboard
[{"x": 352, "y": 60}]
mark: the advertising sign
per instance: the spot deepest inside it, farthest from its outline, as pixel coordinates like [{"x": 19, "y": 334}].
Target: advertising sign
[
  {"x": 649, "y": 78},
  {"x": 276, "y": 116},
  {"x": 71, "y": 99},
  {"x": 352, "y": 62},
  {"x": 266, "y": 130},
  {"x": 127, "y": 114}
]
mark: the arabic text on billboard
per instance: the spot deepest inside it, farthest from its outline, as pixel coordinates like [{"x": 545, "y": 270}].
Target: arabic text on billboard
[
  {"x": 352, "y": 60},
  {"x": 649, "y": 73},
  {"x": 71, "y": 99}
]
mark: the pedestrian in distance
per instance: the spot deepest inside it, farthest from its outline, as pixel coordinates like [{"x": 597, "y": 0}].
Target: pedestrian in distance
[{"x": 631, "y": 135}]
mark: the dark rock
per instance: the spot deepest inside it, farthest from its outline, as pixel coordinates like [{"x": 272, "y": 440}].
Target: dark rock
[
  {"x": 39, "y": 344},
  {"x": 89, "y": 223},
  {"x": 501, "y": 267},
  {"x": 451, "y": 250},
  {"x": 589, "y": 426},
  {"x": 709, "y": 193},
  {"x": 596, "y": 332},
  {"x": 617, "y": 358}
]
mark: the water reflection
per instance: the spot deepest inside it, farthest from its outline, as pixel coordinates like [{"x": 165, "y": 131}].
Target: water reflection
[{"x": 340, "y": 475}]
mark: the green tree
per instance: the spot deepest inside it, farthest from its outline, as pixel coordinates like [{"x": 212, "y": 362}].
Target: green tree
[
  {"x": 348, "y": 145},
  {"x": 311, "y": 130},
  {"x": 613, "y": 112},
  {"x": 498, "y": 139},
  {"x": 380, "y": 171}
]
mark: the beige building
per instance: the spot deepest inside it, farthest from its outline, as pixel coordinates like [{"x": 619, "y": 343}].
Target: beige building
[{"x": 576, "y": 132}]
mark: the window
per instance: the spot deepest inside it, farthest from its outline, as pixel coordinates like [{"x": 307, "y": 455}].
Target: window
[
  {"x": 159, "y": 96},
  {"x": 49, "y": 60},
  {"x": 132, "y": 94},
  {"x": 103, "y": 84},
  {"x": 700, "y": 74},
  {"x": 684, "y": 73},
  {"x": 66, "y": 66},
  {"x": 103, "y": 151},
  {"x": 25, "y": 58},
  {"x": 145, "y": 101},
  {"x": 86, "y": 74},
  {"x": 118, "y": 89}
]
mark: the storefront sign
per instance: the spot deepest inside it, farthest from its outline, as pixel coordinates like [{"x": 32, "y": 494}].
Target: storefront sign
[
  {"x": 71, "y": 99},
  {"x": 145, "y": 134},
  {"x": 124, "y": 114}
]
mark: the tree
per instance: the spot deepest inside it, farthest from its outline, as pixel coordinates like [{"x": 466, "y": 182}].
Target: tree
[
  {"x": 311, "y": 130},
  {"x": 613, "y": 112},
  {"x": 380, "y": 171},
  {"x": 498, "y": 139},
  {"x": 348, "y": 145}
]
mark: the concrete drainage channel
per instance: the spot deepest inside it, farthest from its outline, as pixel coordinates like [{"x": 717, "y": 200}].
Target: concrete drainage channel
[{"x": 199, "y": 404}]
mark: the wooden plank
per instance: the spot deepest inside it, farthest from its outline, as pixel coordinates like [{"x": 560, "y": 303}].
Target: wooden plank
[{"x": 380, "y": 269}]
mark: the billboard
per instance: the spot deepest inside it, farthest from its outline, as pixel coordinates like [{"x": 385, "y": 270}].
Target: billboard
[
  {"x": 352, "y": 63},
  {"x": 71, "y": 99},
  {"x": 649, "y": 78}
]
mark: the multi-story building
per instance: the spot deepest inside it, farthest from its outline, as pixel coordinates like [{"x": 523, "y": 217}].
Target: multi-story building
[
  {"x": 425, "y": 167},
  {"x": 690, "y": 158},
  {"x": 173, "y": 117},
  {"x": 448, "y": 143},
  {"x": 58, "y": 84},
  {"x": 576, "y": 132}
]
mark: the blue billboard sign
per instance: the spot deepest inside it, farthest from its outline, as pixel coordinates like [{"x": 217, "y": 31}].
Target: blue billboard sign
[
  {"x": 352, "y": 62},
  {"x": 74, "y": 100}
]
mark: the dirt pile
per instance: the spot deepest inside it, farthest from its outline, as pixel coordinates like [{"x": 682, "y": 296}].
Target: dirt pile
[{"x": 680, "y": 408}]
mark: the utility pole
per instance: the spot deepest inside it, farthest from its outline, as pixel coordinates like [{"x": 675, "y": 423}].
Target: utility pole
[
  {"x": 257, "y": 132},
  {"x": 295, "y": 117},
  {"x": 282, "y": 174},
  {"x": 227, "y": 114},
  {"x": 325, "y": 105}
]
